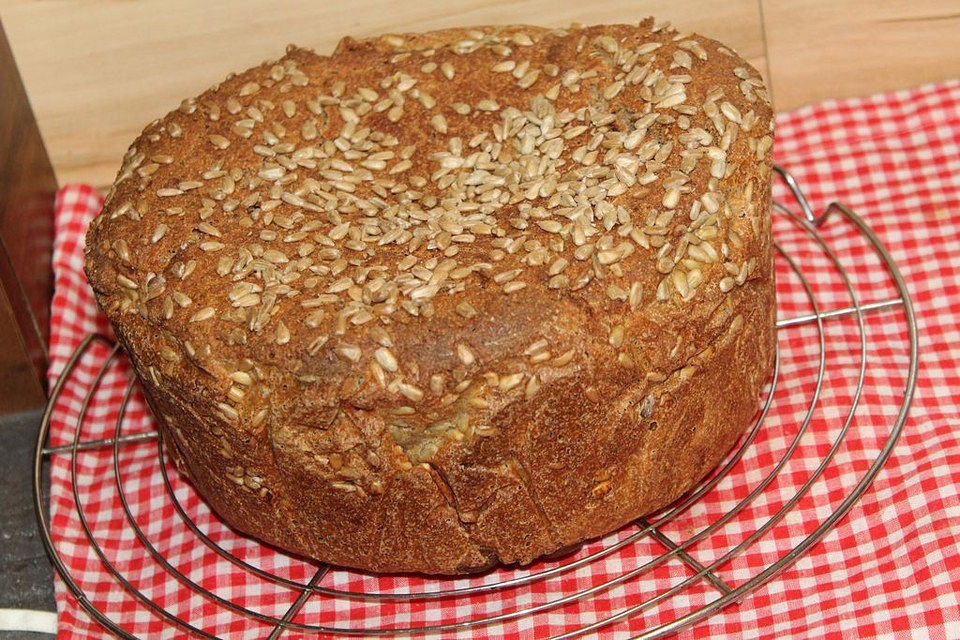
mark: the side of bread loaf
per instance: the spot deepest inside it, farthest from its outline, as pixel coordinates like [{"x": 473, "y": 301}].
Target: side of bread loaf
[{"x": 444, "y": 300}]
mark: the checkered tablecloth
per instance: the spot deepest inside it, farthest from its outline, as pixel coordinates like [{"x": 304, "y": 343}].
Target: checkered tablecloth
[{"x": 890, "y": 568}]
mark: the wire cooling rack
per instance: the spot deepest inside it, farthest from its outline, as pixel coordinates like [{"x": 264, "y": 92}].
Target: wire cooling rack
[{"x": 504, "y": 580}]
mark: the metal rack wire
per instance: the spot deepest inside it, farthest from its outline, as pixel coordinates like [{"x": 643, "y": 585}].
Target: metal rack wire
[{"x": 808, "y": 221}]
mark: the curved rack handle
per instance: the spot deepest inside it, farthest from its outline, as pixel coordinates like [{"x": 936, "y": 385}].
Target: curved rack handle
[{"x": 801, "y": 199}]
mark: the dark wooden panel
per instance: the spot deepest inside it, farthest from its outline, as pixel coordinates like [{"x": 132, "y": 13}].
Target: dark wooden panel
[{"x": 27, "y": 189}]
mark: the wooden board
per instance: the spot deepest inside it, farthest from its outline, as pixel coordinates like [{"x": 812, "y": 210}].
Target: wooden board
[
  {"x": 27, "y": 189},
  {"x": 821, "y": 49},
  {"x": 98, "y": 70}
]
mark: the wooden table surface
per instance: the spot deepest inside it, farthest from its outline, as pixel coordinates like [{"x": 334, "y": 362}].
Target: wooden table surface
[{"x": 97, "y": 71}]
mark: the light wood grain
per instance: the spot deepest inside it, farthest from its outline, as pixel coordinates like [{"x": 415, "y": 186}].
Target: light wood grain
[
  {"x": 98, "y": 71},
  {"x": 820, "y": 49}
]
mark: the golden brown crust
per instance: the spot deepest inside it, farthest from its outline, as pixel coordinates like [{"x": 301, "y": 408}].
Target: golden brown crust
[{"x": 550, "y": 316}]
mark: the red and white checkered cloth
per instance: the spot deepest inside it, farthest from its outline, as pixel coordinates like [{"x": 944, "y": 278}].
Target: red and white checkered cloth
[{"x": 890, "y": 568}]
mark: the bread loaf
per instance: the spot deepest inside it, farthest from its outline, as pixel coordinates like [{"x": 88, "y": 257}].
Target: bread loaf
[{"x": 445, "y": 300}]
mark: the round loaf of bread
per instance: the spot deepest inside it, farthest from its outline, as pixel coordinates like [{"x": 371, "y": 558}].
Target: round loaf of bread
[{"x": 445, "y": 300}]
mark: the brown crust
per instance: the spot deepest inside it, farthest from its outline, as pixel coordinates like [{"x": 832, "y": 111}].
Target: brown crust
[{"x": 292, "y": 439}]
